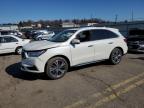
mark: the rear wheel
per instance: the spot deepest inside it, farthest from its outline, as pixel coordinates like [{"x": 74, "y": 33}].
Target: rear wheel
[
  {"x": 116, "y": 56},
  {"x": 56, "y": 68},
  {"x": 18, "y": 50}
]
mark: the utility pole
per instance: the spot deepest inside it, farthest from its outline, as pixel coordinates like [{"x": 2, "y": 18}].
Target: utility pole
[
  {"x": 91, "y": 16},
  {"x": 132, "y": 16},
  {"x": 116, "y": 18}
]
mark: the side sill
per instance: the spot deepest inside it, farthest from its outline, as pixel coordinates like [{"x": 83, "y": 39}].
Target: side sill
[{"x": 82, "y": 64}]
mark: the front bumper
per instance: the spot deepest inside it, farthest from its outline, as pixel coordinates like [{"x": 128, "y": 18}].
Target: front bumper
[
  {"x": 34, "y": 65},
  {"x": 136, "y": 48}
]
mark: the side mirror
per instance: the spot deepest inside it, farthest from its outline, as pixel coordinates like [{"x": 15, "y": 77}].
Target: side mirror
[{"x": 75, "y": 41}]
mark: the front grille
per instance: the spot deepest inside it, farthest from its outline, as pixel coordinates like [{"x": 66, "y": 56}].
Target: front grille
[
  {"x": 133, "y": 42},
  {"x": 141, "y": 42},
  {"x": 141, "y": 48},
  {"x": 32, "y": 68},
  {"x": 134, "y": 46}
]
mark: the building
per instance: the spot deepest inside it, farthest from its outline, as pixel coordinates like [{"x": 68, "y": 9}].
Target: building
[
  {"x": 26, "y": 27},
  {"x": 39, "y": 25},
  {"x": 91, "y": 24},
  {"x": 69, "y": 24},
  {"x": 124, "y": 27},
  {"x": 8, "y": 27}
]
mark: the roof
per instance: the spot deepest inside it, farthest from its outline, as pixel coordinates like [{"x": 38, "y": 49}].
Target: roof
[
  {"x": 89, "y": 28},
  {"x": 7, "y": 35},
  {"x": 7, "y": 25}
]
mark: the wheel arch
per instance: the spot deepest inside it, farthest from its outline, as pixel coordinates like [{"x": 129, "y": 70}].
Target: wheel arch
[
  {"x": 15, "y": 51},
  {"x": 63, "y": 56},
  {"x": 118, "y": 48},
  {"x": 17, "y": 47}
]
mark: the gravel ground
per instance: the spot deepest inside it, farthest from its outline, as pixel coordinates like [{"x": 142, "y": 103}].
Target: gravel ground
[{"x": 91, "y": 86}]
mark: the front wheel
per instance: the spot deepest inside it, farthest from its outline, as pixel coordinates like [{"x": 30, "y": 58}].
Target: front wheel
[
  {"x": 56, "y": 68},
  {"x": 116, "y": 56}
]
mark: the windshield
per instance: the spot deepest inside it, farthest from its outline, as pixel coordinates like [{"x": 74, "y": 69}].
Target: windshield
[
  {"x": 1, "y": 39},
  {"x": 62, "y": 36},
  {"x": 136, "y": 33}
]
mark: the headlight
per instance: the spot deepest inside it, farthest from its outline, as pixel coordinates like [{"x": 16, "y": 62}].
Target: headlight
[{"x": 35, "y": 53}]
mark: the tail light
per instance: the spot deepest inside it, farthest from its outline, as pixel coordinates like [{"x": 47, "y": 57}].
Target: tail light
[{"x": 125, "y": 40}]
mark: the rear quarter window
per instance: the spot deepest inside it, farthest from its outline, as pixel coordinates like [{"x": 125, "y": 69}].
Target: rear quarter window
[{"x": 102, "y": 34}]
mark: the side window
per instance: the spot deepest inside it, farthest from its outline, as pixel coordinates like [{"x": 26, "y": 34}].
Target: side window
[
  {"x": 84, "y": 36},
  {"x": 1, "y": 40},
  {"x": 9, "y": 39},
  {"x": 4, "y": 33},
  {"x": 102, "y": 34}
]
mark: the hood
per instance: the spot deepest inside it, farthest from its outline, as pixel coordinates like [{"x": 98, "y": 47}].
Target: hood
[
  {"x": 136, "y": 39},
  {"x": 40, "y": 45}
]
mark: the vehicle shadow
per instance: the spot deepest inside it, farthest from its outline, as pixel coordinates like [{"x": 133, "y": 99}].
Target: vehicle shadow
[
  {"x": 133, "y": 52},
  {"x": 102, "y": 63},
  {"x": 140, "y": 58},
  {"x": 7, "y": 54},
  {"x": 14, "y": 70}
]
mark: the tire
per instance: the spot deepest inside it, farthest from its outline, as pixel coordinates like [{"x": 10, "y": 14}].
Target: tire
[
  {"x": 116, "y": 56},
  {"x": 18, "y": 50},
  {"x": 39, "y": 39},
  {"x": 56, "y": 68}
]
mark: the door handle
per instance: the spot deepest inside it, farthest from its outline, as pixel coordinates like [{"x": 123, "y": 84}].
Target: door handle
[
  {"x": 90, "y": 46},
  {"x": 110, "y": 43},
  {"x": 16, "y": 43}
]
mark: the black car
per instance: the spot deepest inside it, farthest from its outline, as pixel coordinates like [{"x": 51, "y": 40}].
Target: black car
[
  {"x": 29, "y": 34},
  {"x": 136, "y": 43}
]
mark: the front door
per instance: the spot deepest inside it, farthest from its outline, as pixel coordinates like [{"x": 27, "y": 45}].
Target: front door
[{"x": 83, "y": 52}]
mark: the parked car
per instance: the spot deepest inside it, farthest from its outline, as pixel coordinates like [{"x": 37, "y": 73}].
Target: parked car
[
  {"x": 136, "y": 43},
  {"x": 29, "y": 34},
  {"x": 32, "y": 34},
  {"x": 42, "y": 31},
  {"x": 73, "y": 47},
  {"x": 11, "y": 32},
  {"x": 10, "y": 43},
  {"x": 44, "y": 36}
]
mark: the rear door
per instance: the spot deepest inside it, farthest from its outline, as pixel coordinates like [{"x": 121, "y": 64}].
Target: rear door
[{"x": 104, "y": 42}]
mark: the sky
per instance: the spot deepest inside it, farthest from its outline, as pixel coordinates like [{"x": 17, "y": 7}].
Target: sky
[{"x": 13, "y": 11}]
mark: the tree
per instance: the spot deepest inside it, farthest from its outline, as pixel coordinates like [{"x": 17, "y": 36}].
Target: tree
[{"x": 20, "y": 24}]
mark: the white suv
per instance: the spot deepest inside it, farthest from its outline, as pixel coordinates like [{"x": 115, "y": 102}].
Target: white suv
[{"x": 73, "y": 47}]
